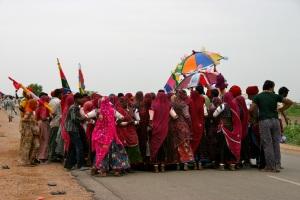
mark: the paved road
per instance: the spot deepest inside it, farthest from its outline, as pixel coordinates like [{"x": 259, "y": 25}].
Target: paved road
[{"x": 205, "y": 184}]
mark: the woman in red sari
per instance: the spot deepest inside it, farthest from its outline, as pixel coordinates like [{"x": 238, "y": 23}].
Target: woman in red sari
[
  {"x": 127, "y": 132},
  {"x": 197, "y": 108},
  {"x": 229, "y": 138},
  {"x": 244, "y": 117},
  {"x": 159, "y": 120},
  {"x": 142, "y": 113}
]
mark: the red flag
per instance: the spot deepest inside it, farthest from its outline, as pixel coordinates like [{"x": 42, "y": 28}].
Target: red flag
[{"x": 15, "y": 83}]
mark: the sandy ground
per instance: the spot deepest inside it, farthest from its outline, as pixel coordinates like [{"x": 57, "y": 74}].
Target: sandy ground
[{"x": 31, "y": 182}]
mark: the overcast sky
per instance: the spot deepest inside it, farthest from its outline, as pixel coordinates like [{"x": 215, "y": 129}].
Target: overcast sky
[{"x": 130, "y": 45}]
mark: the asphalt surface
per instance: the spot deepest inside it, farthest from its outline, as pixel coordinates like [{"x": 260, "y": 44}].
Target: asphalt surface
[{"x": 199, "y": 184}]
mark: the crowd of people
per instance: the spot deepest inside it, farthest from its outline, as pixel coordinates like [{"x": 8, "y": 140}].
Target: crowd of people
[
  {"x": 8, "y": 103},
  {"x": 189, "y": 129}
]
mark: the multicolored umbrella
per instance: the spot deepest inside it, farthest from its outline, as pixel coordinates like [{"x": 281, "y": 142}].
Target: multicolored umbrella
[
  {"x": 200, "y": 61},
  {"x": 204, "y": 61},
  {"x": 198, "y": 78}
]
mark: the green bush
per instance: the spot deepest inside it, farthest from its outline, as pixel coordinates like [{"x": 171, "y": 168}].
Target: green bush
[
  {"x": 294, "y": 110},
  {"x": 292, "y": 132}
]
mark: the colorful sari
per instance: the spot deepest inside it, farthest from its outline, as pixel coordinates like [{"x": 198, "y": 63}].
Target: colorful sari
[
  {"x": 110, "y": 152},
  {"x": 181, "y": 129}
]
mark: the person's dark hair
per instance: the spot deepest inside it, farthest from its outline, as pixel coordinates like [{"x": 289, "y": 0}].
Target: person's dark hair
[
  {"x": 214, "y": 93},
  {"x": 77, "y": 96},
  {"x": 57, "y": 92},
  {"x": 268, "y": 85},
  {"x": 120, "y": 95},
  {"x": 139, "y": 96},
  {"x": 161, "y": 91},
  {"x": 43, "y": 94},
  {"x": 200, "y": 89},
  {"x": 283, "y": 91}
]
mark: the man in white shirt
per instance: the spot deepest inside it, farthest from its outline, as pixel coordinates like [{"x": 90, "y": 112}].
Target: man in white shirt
[{"x": 54, "y": 123}]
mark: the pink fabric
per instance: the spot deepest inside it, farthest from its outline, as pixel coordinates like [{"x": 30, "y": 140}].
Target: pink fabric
[
  {"x": 66, "y": 103},
  {"x": 42, "y": 113},
  {"x": 244, "y": 116},
  {"x": 105, "y": 132},
  {"x": 197, "y": 116},
  {"x": 161, "y": 107},
  {"x": 44, "y": 129},
  {"x": 233, "y": 138}
]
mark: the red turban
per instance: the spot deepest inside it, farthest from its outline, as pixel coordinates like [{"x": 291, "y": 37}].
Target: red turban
[
  {"x": 235, "y": 91},
  {"x": 252, "y": 90}
]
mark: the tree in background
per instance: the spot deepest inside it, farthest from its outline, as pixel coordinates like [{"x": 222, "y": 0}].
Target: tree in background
[{"x": 36, "y": 88}]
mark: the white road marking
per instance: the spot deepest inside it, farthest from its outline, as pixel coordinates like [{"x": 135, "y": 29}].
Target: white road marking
[{"x": 285, "y": 180}]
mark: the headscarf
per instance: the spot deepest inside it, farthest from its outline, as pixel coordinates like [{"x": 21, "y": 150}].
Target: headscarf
[
  {"x": 96, "y": 99},
  {"x": 182, "y": 96},
  {"x": 148, "y": 100},
  {"x": 130, "y": 98},
  {"x": 139, "y": 98},
  {"x": 88, "y": 106},
  {"x": 114, "y": 100},
  {"x": 221, "y": 82},
  {"x": 252, "y": 90},
  {"x": 235, "y": 91}
]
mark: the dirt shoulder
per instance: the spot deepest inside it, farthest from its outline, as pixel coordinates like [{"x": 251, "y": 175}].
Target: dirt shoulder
[{"x": 31, "y": 182}]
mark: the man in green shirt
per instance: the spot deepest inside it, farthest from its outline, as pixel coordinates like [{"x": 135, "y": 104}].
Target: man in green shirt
[{"x": 269, "y": 126}]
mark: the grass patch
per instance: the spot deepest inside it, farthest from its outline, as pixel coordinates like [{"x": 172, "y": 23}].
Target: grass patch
[
  {"x": 294, "y": 110},
  {"x": 292, "y": 133}
]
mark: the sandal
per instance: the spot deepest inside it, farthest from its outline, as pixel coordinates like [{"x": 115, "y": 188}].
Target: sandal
[{"x": 117, "y": 173}]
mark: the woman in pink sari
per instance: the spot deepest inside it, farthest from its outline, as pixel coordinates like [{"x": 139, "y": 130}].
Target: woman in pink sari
[
  {"x": 110, "y": 153},
  {"x": 42, "y": 116}
]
